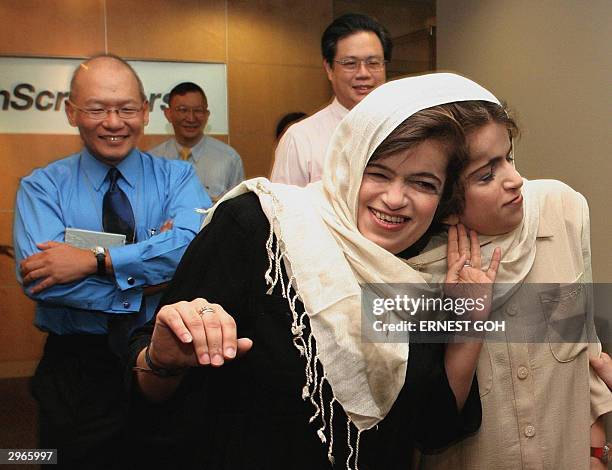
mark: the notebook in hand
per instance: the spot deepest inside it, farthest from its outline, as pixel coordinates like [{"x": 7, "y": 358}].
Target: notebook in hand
[{"x": 90, "y": 239}]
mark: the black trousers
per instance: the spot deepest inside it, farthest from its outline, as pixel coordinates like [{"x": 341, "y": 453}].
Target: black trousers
[{"x": 82, "y": 402}]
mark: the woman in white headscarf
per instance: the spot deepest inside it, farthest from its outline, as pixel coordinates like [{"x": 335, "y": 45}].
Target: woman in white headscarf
[
  {"x": 542, "y": 405},
  {"x": 287, "y": 263}
]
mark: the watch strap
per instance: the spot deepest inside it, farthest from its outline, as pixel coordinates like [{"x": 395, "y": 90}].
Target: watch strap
[
  {"x": 601, "y": 453},
  {"x": 100, "y": 254}
]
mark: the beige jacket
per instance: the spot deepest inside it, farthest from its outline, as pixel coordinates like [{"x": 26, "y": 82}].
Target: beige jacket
[{"x": 535, "y": 395}]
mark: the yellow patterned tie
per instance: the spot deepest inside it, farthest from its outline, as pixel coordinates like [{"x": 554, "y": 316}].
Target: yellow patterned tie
[{"x": 185, "y": 153}]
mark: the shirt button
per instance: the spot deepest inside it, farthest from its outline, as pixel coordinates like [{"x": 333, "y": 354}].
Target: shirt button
[
  {"x": 126, "y": 304},
  {"x": 529, "y": 431},
  {"x": 131, "y": 281},
  {"x": 522, "y": 372},
  {"x": 512, "y": 310}
]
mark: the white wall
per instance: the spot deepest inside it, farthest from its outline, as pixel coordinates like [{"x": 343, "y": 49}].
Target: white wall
[{"x": 551, "y": 60}]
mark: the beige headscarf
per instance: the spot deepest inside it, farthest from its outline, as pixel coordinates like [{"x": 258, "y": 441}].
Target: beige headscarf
[{"x": 326, "y": 257}]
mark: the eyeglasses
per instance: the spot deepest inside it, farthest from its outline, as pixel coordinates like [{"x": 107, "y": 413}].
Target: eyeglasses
[
  {"x": 350, "y": 64},
  {"x": 99, "y": 114},
  {"x": 183, "y": 111}
]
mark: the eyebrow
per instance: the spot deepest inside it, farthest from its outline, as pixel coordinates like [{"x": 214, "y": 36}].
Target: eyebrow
[
  {"x": 490, "y": 162},
  {"x": 361, "y": 57},
  {"x": 425, "y": 174}
]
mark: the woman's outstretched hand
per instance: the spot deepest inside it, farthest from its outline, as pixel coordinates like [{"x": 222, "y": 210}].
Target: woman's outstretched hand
[
  {"x": 196, "y": 333},
  {"x": 186, "y": 334}
]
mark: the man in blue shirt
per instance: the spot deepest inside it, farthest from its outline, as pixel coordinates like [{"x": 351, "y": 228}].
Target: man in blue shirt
[
  {"x": 89, "y": 299},
  {"x": 218, "y": 165}
]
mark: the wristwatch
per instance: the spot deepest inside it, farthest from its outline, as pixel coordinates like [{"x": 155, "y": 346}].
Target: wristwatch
[
  {"x": 100, "y": 254},
  {"x": 601, "y": 453}
]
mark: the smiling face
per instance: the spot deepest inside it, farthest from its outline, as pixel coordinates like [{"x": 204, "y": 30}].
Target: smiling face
[
  {"x": 351, "y": 86},
  {"x": 493, "y": 200},
  {"x": 399, "y": 195},
  {"x": 188, "y": 114},
  {"x": 104, "y": 83}
]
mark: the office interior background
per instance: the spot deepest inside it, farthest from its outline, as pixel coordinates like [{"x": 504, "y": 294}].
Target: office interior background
[{"x": 551, "y": 60}]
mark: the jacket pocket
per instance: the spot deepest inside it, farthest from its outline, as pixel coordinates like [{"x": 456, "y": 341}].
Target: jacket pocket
[
  {"x": 484, "y": 371},
  {"x": 564, "y": 307}
]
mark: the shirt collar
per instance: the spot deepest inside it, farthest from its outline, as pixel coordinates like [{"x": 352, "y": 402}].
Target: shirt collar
[
  {"x": 196, "y": 150},
  {"x": 337, "y": 109},
  {"x": 545, "y": 227},
  {"x": 96, "y": 170},
  {"x": 437, "y": 252}
]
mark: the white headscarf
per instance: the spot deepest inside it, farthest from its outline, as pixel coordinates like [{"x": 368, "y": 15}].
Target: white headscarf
[{"x": 327, "y": 258}]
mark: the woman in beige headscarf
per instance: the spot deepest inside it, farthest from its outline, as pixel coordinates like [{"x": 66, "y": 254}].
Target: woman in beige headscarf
[
  {"x": 287, "y": 263},
  {"x": 539, "y": 398}
]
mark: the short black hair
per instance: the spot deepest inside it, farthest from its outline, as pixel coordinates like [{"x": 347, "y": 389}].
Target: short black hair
[
  {"x": 348, "y": 24},
  {"x": 286, "y": 120},
  {"x": 184, "y": 88}
]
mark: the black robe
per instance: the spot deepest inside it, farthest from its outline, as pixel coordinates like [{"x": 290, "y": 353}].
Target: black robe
[{"x": 249, "y": 414}]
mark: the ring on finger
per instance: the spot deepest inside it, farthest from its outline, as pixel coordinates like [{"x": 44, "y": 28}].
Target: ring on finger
[
  {"x": 467, "y": 264},
  {"x": 203, "y": 310}
]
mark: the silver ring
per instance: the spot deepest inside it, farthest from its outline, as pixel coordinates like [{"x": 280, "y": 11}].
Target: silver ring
[
  {"x": 203, "y": 310},
  {"x": 467, "y": 264}
]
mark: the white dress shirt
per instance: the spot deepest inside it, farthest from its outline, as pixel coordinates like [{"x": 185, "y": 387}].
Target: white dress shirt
[{"x": 298, "y": 158}]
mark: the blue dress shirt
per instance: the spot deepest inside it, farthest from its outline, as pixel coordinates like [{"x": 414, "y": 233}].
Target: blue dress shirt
[{"x": 69, "y": 193}]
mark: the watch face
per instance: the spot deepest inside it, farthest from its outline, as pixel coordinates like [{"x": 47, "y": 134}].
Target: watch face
[{"x": 98, "y": 250}]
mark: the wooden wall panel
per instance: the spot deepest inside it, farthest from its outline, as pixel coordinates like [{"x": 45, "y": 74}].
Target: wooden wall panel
[
  {"x": 255, "y": 109},
  {"x": 277, "y": 31},
  {"x": 148, "y": 141},
  {"x": 18, "y": 332},
  {"x": 65, "y": 28},
  {"x": 398, "y": 16},
  {"x": 189, "y": 30},
  {"x": 6, "y": 238},
  {"x": 21, "y": 343},
  {"x": 21, "y": 153}
]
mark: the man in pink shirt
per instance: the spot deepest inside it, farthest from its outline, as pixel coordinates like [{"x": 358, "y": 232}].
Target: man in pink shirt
[{"x": 355, "y": 51}]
